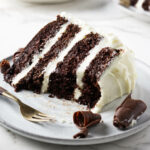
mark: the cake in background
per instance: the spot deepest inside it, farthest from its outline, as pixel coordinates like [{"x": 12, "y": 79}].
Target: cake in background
[
  {"x": 70, "y": 60},
  {"x": 139, "y": 4}
]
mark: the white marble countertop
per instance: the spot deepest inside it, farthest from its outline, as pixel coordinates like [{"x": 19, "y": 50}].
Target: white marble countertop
[{"x": 20, "y": 21}]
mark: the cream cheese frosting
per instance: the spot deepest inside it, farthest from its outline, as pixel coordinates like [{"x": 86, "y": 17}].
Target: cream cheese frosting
[{"x": 117, "y": 80}]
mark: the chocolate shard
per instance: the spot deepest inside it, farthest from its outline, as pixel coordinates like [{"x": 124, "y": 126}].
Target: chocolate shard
[
  {"x": 128, "y": 111},
  {"x": 86, "y": 118},
  {"x": 4, "y": 65},
  {"x": 82, "y": 134}
]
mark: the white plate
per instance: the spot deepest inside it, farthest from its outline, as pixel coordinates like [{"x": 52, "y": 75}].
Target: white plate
[
  {"x": 60, "y": 132},
  {"x": 139, "y": 14}
]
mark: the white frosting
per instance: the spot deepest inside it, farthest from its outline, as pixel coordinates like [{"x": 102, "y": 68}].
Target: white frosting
[
  {"x": 117, "y": 80},
  {"x": 79, "y": 22},
  {"x": 53, "y": 64},
  {"x": 81, "y": 69},
  {"x": 37, "y": 57},
  {"x": 139, "y": 4}
]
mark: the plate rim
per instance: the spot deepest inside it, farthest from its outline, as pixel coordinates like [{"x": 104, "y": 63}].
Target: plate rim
[{"x": 86, "y": 141}]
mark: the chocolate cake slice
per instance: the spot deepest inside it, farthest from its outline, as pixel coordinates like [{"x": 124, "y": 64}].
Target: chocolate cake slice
[{"x": 70, "y": 60}]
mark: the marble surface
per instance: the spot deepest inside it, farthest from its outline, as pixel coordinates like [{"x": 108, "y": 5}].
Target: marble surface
[{"x": 20, "y": 21}]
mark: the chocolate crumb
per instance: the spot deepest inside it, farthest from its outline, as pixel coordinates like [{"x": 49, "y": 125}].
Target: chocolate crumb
[
  {"x": 51, "y": 95},
  {"x": 4, "y": 65},
  {"x": 128, "y": 111}
]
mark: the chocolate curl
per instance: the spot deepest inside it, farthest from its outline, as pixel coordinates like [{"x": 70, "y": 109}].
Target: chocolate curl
[
  {"x": 82, "y": 134},
  {"x": 128, "y": 111},
  {"x": 4, "y": 65},
  {"x": 86, "y": 118}
]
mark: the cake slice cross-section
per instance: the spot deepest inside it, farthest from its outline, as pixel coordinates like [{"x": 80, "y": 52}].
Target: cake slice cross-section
[{"x": 71, "y": 60}]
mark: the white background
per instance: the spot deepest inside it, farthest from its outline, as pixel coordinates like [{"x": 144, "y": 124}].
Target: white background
[{"x": 20, "y": 21}]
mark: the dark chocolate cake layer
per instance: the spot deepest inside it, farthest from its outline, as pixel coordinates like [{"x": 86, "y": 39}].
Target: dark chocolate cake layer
[
  {"x": 63, "y": 81},
  {"x": 34, "y": 47},
  {"x": 146, "y": 5},
  {"x": 133, "y": 2},
  {"x": 91, "y": 90},
  {"x": 35, "y": 77}
]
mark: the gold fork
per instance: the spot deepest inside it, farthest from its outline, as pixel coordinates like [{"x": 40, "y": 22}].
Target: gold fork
[{"x": 27, "y": 112}]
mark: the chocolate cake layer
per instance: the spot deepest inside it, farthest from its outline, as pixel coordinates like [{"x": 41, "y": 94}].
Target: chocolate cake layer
[
  {"x": 146, "y": 5},
  {"x": 62, "y": 82},
  {"x": 35, "y": 77},
  {"x": 91, "y": 90},
  {"x": 34, "y": 47},
  {"x": 133, "y": 2},
  {"x": 17, "y": 54}
]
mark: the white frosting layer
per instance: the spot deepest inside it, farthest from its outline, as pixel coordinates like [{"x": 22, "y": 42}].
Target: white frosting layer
[
  {"x": 37, "y": 57},
  {"x": 53, "y": 64},
  {"x": 117, "y": 80},
  {"x": 81, "y": 69},
  {"x": 79, "y": 22},
  {"x": 139, "y": 4}
]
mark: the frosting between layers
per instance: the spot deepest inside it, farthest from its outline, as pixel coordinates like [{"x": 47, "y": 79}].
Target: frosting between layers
[
  {"x": 53, "y": 64},
  {"x": 37, "y": 57},
  {"x": 109, "y": 40},
  {"x": 81, "y": 69},
  {"x": 139, "y": 4}
]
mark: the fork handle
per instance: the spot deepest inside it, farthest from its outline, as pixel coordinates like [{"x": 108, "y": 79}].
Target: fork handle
[
  {"x": 2, "y": 90},
  {"x": 6, "y": 94}
]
